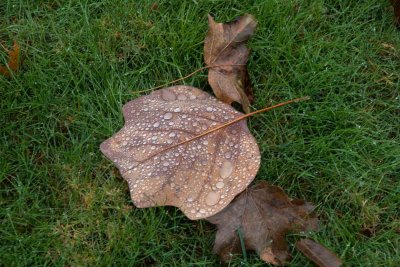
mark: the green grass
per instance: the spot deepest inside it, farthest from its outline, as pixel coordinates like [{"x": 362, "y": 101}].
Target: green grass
[{"x": 63, "y": 203}]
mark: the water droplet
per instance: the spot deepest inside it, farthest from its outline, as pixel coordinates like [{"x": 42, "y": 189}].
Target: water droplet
[
  {"x": 167, "y": 95},
  {"x": 202, "y": 211},
  {"x": 168, "y": 116},
  {"x": 156, "y": 124},
  {"x": 201, "y": 96},
  {"x": 177, "y": 110},
  {"x": 193, "y": 211},
  {"x": 190, "y": 199},
  {"x": 172, "y": 135},
  {"x": 212, "y": 198},
  {"x": 226, "y": 169},
  {"x": 228, "y": 155},
  {"x": 205, "y": 142},
  {"x": 154, "y": 137},
  {"x": 209, "y": 109},
  {"x": 192, "y": 97},
  {"x": 166, "y": 164},
  {"x": 220, "y": 185}
]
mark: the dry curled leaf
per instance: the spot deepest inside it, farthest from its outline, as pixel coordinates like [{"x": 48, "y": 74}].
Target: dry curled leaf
[
  {"x": 13, "y": 61},
  {"x": 319, "y": 254},
  {"x": 264, "y": 214},
  {"x": 224, "y": 46},
  {"x": 200, "y": 177}
]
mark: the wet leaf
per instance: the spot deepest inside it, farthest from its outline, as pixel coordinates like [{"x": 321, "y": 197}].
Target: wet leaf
[
  {"x": 224, "y": 46},
  {"x": 396, "y": 7},
  {"x": 319, "y": 254},
  {"x": 265, "y": 214},
  {"x": 13, "y": 61},
  {"x": 200, "y": 177}
]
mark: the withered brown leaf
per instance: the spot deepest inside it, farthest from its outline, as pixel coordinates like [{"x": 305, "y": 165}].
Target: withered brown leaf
[
  {"x": 264, "y": 214},
  {"x": 224, "y": 46},
  {"x": 319, "y": 254},
  {"x": 13, "y": 61},
  {"x": 200, "y": 177}
]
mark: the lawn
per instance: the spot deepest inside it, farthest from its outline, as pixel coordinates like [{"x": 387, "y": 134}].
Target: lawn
[{"x": 62, "y": 203}]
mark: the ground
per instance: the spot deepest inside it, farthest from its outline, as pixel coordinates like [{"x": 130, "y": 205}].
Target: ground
[{"x": 63, "y": 203}]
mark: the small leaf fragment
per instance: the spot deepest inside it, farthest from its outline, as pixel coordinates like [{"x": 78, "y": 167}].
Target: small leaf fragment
[
  {"x": 319, "y": 254},
  {"x": 265, "y": 214},
  {"x": 224, "y": 47},
  {"x": 13, "y": 61}
]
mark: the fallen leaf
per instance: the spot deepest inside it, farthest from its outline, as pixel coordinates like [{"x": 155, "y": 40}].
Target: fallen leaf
[
  {"x": 396, "y": 8},
  {"x": 13, "y": 61},
  {"x": 265, "y": 214},
  {"x": 200, "y": 177},
  {"x": 224, "y": 46},
  {"x": 319, "y": 254}
]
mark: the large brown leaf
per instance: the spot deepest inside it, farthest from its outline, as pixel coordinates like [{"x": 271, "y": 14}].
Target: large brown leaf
[
  {"x": 225, "y": 47},
  {"x": 264, "y": 214},
  {"x": 200, "y": 177}
]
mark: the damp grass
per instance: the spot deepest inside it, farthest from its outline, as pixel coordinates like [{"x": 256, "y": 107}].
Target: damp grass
[{"x": 63, "y": 203}]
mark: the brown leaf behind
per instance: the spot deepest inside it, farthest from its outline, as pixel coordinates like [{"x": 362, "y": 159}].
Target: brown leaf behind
[
  {"x": 265, "y": 214},
  {"x": 224, "y": 46},
  {"x": 319, "y": 254},
  {"x": 201, "y": 177},
  {"x": 13, "y": 62}
]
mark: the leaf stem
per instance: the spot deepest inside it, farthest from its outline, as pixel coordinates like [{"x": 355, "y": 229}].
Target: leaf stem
[
  {"x": 233, "y": 121},
  {"x": 185, "y": 77}
]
